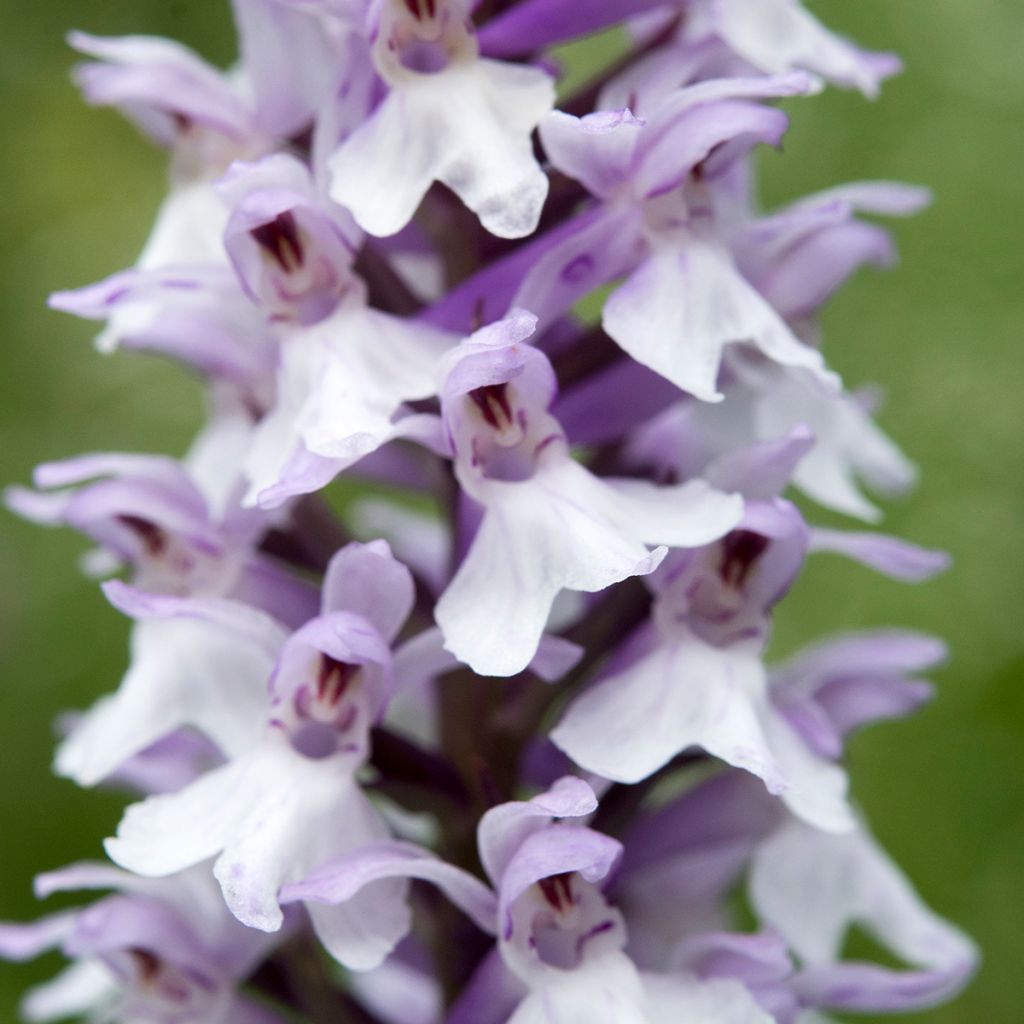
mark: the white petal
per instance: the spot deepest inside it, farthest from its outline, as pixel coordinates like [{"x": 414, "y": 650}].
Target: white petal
[
  {"x": 677, "y": 998},
  {"x": 189, "y": 228},
  {"x": 82, "y": 987},
  {"x": 679, "y": 309},
  {"x": 681, "y": 695},
  {"x": 683, "y": 516},
  {"x": 184, "y": 671},
  {"x": 361, "y": 932},
  {"x": 372, "y": 363},
  {"x": 816, "y": 787},
  {"x": 602, "y": 990},
  {"x": 848, "y": 444},
  {"x": 468, "y": 127},
  {"x": 168, "y": 833},
  {"x": 812, "y": 886},
  {"x": 537, "y": 537},
  {"x": 272, "y": 815}
]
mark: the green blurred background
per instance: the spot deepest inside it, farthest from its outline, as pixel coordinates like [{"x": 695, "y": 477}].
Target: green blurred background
[{"x": 945, "y": 791}]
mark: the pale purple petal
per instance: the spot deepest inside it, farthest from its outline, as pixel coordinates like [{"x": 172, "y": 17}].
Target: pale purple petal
[
  {"x": 536, "y": 24},
  {"x": 889, "y": 555},
  {"x": 342, "y": 878},
  {"x": 504, "y": 828},
  {"x": 604, "y": 248},
  {"x": 27, "y": 941},
  {"x": 152, "y": 79},
  {"x": 761, "y": 470},
  {"x": 367, "y": 580},
  {"x": 554, "y": 850},
  {"x": 290, "y": 63},
  {"x": 597, "y": 150}
]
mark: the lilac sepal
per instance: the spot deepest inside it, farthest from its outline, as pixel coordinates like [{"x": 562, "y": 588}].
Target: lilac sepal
[
  {"x": 853, "y": 881},
  {"x": 611, "y": 151},
  {"x": 604, "y": 247},
  {"x": 366, "y": 580},
  {"x": 889, "y": 555},
  {"x": 21, "y": 942},
  {"x": 798, "y": 257},
  {"x": 757, "y": 960},
  {"x": 195, "y": 314},
  {"x": 234, "y": 619},
  {"x": 865, "y": 988},
  {"x": 728, "y": 812},
  {"x": 829, "y": 690},
  {"x": 290, "y": 58},
  {"x": 88, "y": 875},
  {"x": 169, "y": 764},
  {"x": 554, "y": 851},
  {"x": 533, "y": 25},
  {"x": 339, "y": 880},
  {"x": 267, "y": 585},
  {"x": 503, "y": 829},
  {"x": 761, "y": 470},
  {"x": 488, "y": 294},
  {"x": 554, "y": 658},
  {"x": 154, "y": 80}
]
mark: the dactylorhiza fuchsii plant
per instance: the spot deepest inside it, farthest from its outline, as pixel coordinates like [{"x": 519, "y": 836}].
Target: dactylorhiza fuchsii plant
[{"x": 484, "y": 732}]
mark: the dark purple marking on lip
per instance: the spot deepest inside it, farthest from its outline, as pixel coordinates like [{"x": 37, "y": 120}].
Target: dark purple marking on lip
[
  {"x": 333, "y": 679},
  {"x": 421, "y": 9},
  {"x": 598, "y": 929},
  {"x": 557, "y": 890},
  {"x": 740, "y": 550},
  {"x": 147, "y": 964},
  {"x": 154, "y": 540},
  {"x": 280, "y": 238},
  {"x": 490, "y": 398}
]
